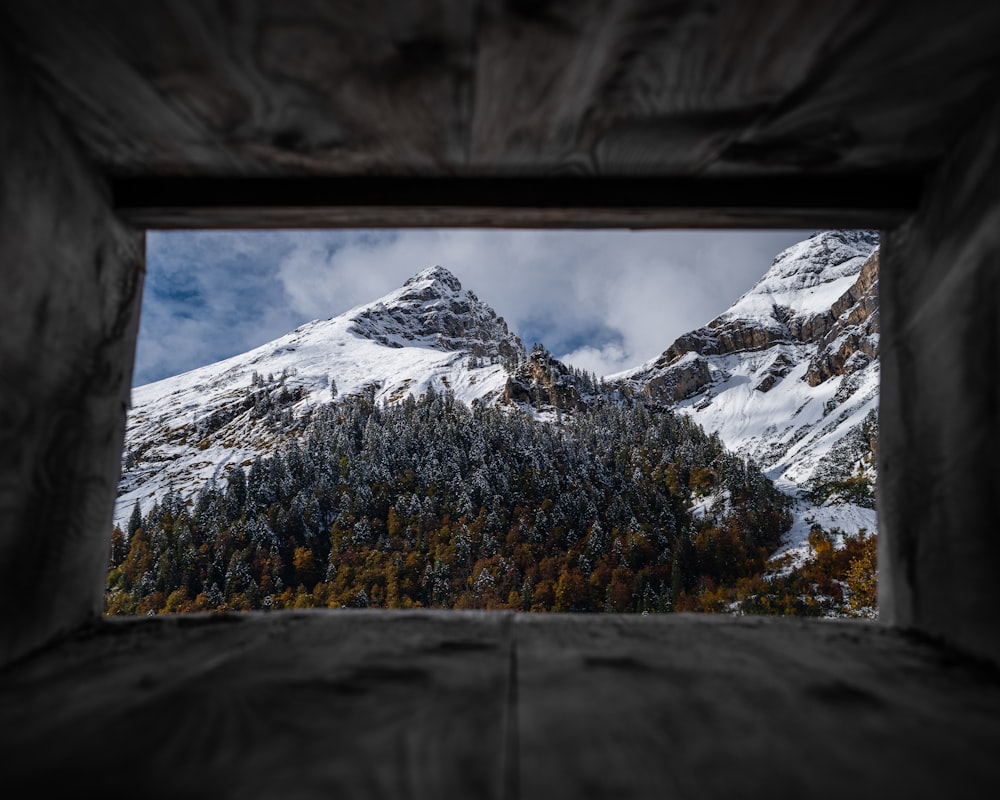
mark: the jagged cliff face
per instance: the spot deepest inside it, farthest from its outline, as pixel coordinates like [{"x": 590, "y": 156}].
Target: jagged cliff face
[
  {"x": 790, "y": 374},
  {"x": 851, "y": 330},
  {"x": 821, "y": 293}
]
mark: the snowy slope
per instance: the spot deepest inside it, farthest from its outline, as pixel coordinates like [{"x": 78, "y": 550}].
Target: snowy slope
[
  {"x": 789, "y": 373},
  {"x": 185, "y": 430}
]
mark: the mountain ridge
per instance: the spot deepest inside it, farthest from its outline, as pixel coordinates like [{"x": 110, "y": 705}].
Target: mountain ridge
[
  {"x": 794, "y": 354},
  {"x": 788, "y": 374},
  {"x": 191, "y": 428}
]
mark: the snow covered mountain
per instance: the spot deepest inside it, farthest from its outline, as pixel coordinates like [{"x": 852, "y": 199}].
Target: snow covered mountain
[
  {"x": 790, "y": 376},
  {"x": 188, "y": 429}
]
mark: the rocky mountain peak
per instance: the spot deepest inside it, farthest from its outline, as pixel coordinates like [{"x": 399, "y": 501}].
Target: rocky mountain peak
[
  {"x": 800, "y": 299},
  {"x": 435, "y": 275},
  {"x": 819, "y": 258},
  {"x": 432, "y": 310}
]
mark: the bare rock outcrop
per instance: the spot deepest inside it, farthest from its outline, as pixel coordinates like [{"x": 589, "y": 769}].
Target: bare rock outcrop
[
  {"x": 542, "y": 381},
  {"x": 852, "y": 341}
]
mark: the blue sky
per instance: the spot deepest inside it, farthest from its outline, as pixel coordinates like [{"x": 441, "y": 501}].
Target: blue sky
[{"x": 602, "y": 300}]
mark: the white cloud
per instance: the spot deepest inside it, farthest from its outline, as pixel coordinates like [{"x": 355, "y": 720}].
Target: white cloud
[
  {"x": 606, "y": 360},
  {"x": 602, "y": 300}
]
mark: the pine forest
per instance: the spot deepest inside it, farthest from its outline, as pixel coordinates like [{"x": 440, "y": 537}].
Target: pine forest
[{"x": 617, "y": 507}]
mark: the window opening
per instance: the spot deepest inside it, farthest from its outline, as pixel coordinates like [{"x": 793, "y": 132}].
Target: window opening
[{"x": 596, "y": 421}]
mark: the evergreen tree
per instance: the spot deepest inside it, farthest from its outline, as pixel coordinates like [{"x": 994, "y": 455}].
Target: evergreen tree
[
  {"x": 430, "y": 502},
  {"x": 135, "y": 519}
]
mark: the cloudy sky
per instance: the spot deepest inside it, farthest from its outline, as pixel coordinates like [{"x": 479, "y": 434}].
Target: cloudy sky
[{"x": 601, "y": 300}]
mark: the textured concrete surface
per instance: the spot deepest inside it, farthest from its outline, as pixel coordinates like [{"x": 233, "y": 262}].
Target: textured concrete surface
[
  {"x": 328, "y": 704},
  {"x": 842, "y": 99},
  {"x": 939, "y": 416},
  {"x": 872, "y": 90},
  {"x": 70, "y": 284},
  {"x": 496, "y": 705}
]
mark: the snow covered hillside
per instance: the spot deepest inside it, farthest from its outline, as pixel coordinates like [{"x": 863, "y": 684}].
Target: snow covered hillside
[
  {"x": 790, "y": 375},
  {"x": 188, "y": 429}
]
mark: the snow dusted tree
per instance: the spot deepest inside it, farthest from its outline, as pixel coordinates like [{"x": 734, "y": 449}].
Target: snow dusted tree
[
  {"x": 135, "y": 520},
  {"x": 378, "y": 497}
]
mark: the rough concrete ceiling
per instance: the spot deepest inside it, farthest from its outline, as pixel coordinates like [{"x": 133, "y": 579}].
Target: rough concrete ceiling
[{"x": 732, "y": 94}]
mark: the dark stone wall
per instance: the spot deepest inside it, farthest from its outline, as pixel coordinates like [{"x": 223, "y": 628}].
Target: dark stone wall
[
  {"x": 71, "y": 276},
  {"x": 939, "y": 439},
  {"x": 70, "y": 284}
]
